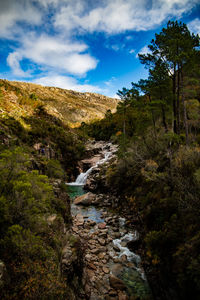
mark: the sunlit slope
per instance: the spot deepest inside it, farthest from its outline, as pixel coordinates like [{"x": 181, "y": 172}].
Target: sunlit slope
[{"x": 21, "y": 99}]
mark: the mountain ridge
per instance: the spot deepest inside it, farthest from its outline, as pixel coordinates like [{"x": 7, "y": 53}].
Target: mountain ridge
[{"x": 19, "y": 99}]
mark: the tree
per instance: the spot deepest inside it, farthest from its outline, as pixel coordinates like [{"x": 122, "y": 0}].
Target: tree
[{"x": 173, "y": 46}]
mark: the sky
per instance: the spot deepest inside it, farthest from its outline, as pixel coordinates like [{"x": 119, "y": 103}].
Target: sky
[{"x": 84, "y": 45}]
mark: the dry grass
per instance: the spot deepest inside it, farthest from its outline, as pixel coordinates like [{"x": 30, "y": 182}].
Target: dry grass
[{"x": 69, "y": 106}]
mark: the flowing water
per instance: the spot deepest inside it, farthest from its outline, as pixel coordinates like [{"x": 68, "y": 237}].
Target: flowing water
[
  {"x": 134, "y": 276},
  {"x": 81, "y": 179}
]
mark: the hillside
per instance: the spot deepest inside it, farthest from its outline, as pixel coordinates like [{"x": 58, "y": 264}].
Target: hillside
[{"x": 19, "y": 99}]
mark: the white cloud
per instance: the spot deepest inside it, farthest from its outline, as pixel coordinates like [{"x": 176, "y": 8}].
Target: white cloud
[
  {"x": 12, "y": 11},
  {"x": 194, "y": 26},
  {"x": 13, "y": 61},
  {"x": 132, "y": 51},
  {"x": 144, "y": 50},
  {"x": 53, "y": 53},
  {"x": 66, "y": 82},
  {"x": 110, "y": 82},
  {"x": 118, "y": 16}
]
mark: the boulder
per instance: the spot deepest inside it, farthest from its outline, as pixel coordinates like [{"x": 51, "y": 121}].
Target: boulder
[
  {"x": 85, "y": 199},
  {"x": 79, "y": 220},
  {"x": 102, "y": 225},
  {"x": 116, "y": 283}
]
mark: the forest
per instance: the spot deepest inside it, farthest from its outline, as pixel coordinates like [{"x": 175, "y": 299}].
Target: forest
[{"x": 157, "y": 173}]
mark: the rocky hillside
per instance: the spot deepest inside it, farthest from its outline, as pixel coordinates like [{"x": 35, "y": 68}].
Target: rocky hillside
[{"x": 20, "y": 99}]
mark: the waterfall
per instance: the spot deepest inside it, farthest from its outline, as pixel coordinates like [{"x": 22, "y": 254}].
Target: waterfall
[{"x": 81, "y": 179}]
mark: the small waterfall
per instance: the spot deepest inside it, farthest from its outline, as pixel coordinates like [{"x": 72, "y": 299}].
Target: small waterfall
[
  {"x": 124, "y": 250},
  {"x": 81, "y": 179}
]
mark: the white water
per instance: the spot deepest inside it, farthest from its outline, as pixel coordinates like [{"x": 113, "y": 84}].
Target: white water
[
  {"x": 81, "y": 179},
  {"x": 124, "y": 250}
]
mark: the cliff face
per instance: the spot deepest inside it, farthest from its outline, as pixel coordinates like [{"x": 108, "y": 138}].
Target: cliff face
[{"x": 20, "y": 99}]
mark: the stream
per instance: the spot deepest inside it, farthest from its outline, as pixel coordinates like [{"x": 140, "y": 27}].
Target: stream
[{"x": 111, "y": 269}]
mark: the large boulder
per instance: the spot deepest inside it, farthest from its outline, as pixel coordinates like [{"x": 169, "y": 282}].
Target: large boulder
[
  {"x": 116, "y": 283},
  {"x": 85, "y": 199}
]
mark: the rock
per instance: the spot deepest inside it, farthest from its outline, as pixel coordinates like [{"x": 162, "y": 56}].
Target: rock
[
  {"x": 123, "y": 258},
  {"x": 102, "y": 255},
  {"x": 116, "y": 248},
  {"x": 102, "y": 242},
  {"x": 104, "y": 261},
  {"x": 88, "y": 257},
  {"x": 85, "y": 199},
  {"x": 123, "y": 244},
  {"x": 87, "y": 289},
  {"x": 96, "y": 250},
  {"x": 103, "y": 234},
  {"x": 106, "y": 270},
  {"x": 122, "y": 296},
  {"x": 116, "y": 283},
  {"x": 117, "y": 235},
  {"x": 91, "y": 247},
  {"x": 92, "y": 242},
  {"x": 102, "y": 225},
  {"x": 92, "y": 266},
  {"x": 79, "y": 220},
  {"x": 116, "y": 259},
  {"x": 91, "y": 222},
  {"x": 75, "y": 229},
  {"x": 112, "y": 293},
  {"x": 51, "y": 219}
]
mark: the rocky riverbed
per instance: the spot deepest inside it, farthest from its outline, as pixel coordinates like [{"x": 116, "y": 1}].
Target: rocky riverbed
[{"x": 111, "y": 270}]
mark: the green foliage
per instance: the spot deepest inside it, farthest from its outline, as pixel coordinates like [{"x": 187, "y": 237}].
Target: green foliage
[
  {"x": 54, "y": 169},
  {"x": 161, "y": 185},
  {"x": 30, "y": 244}
]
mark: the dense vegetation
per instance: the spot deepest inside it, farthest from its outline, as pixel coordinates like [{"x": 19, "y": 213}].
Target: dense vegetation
[
  {"x": 37, "y": 154},
  {"x": 158, "y": 170}
]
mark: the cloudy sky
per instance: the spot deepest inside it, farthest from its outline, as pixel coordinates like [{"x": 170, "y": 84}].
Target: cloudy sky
[{"x": 84, "y": 45}]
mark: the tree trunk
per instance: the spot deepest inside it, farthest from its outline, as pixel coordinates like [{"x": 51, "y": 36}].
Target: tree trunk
[
  {"x": 178, "y": 100},
  {"x": 174, "y": 100},
  {"x": 153, "y": 119},
  {"x": 184, "y": 111},
  {"x": 164, "y": 118}
]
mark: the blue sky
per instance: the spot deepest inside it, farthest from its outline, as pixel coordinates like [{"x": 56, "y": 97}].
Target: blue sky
[{"x": 84, "y": 45}]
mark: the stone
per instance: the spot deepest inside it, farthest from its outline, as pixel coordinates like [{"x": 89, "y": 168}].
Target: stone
[
  {"x": 102, "y": 242},
  {"x": 91, "y": 247},
  {"x": 117, "y": 269},
  {"x": 92, "y": 242},
  {"x": 116, "y": 248},
  {"x": 103, "y": 234},
  {"x": 85, "y": 199},
  {"x": 112, "y": 293},
  {"x": 92, "y": 266},
  {"x": 122, "y": 296},
  {"x": 116, "y": 283},
  {"x": 79, "y": 220},
  {"x": 104, "y": 261},
  {"x": 117, "y": 235},
  {"x": 75, "y": 229},
  {"x": 96, "y": 250},
  {"x": 123, "y": 258},
  {"x": 102, "y": 225},
  {"x": 106, "y": 270},
  {"x": 101, "y": 255},
  {"x": 92, "y": 223},
  {"x": 88, "y": 257}
]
